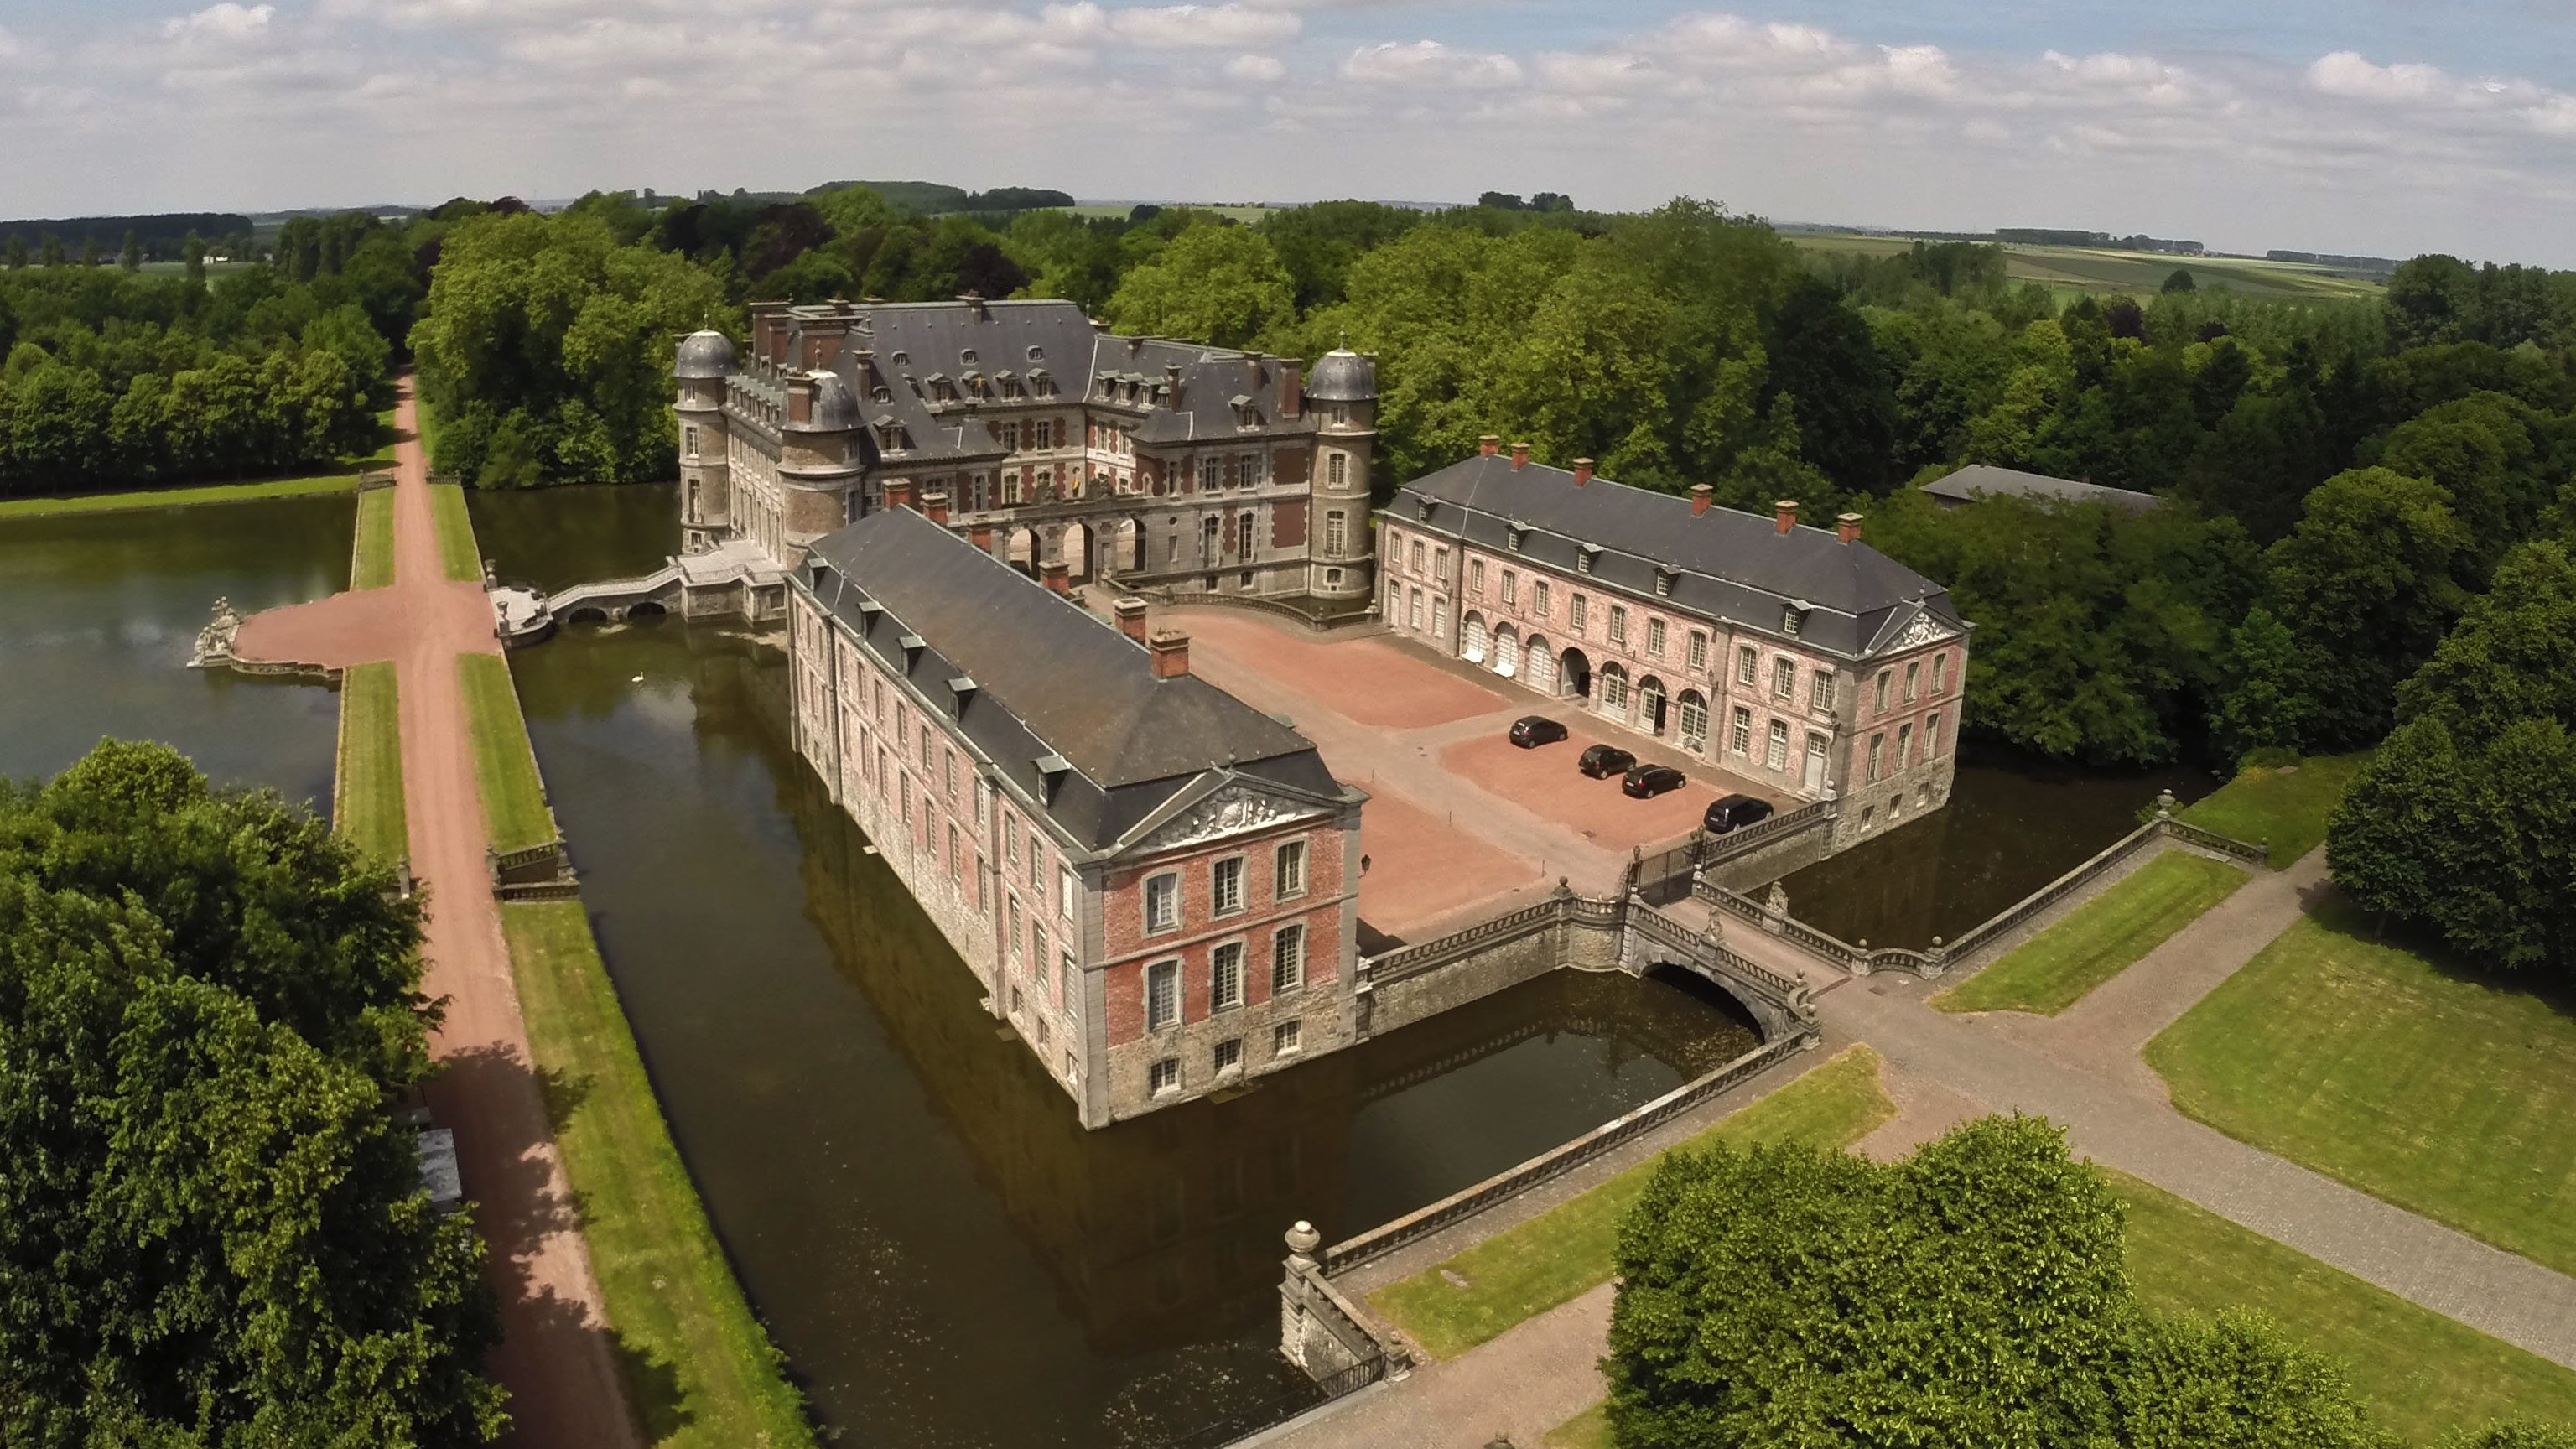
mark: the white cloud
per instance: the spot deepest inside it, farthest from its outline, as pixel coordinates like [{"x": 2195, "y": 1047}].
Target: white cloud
[
  {"x": 225, "y": 21},
  {"x": 1428, "y": 62},
  {"x": 1257, "y": 69},
  {"x": 2346, "y": 73},
  {"x": 1191, "y": 27}
]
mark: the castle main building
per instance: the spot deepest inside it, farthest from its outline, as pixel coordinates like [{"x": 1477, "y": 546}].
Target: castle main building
[{"x": 1158, "y": 464}]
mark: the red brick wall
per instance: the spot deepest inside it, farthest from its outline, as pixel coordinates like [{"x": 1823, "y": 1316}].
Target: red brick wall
[
  {"x": 1288, "y": 524},
  {"x": 1129, "y": 950}
]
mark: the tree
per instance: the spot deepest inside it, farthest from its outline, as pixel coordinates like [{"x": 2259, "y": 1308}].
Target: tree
[
  {"x": 2180, "y": 281},
  {"x": 216, "y": 1234},
  {"x": 130, "y": 256},
  {"x": 2261, "y": 706},
  {"x": 1213, "y": 283},
  {"x": 17, "y": 253},
  {"x": 2368, "y": 582}
]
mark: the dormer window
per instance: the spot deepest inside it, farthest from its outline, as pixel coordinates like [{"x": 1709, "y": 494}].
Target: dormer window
[
  {"x": 1664, "y": 583},
  {"x": 1245, "y": 414},
  {"x": 880, "y": 394},
  {"x": 1792, "y": 617},
  {"x": 1042, "y": 382},
  {"x": 1583, "y": 556},
  {"x": 903, "y": 359},
  {"x": 967, "y": 357},
  {"x": 1514, "y": 534},
  {"x": 1424, "y": 512},
  {"x": 1037, "y": 354}
]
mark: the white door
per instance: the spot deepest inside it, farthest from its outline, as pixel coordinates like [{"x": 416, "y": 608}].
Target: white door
[{"x": 1815, "y": 764}]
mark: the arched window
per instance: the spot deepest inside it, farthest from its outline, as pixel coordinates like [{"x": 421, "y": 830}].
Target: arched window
[
  {"x": 1507, "y": 652},
  {"x": 1694, "y": 720},
  {"x": 1650, "y": 706},
  {"x": 1614, "y": 689},
  {"x": 1540, "y": 671},
  {"x": 1475, "y": 639}
]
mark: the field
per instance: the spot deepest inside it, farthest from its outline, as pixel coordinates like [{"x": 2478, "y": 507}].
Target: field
[
  {"x": 2444, "y": 1094},
  {"x": 2099, "y": 939},
  {"x": 456, "y": 550},
  {"x": 367, "y": 805},
  {"x": 698, "y": 1366},
  {"x": 1245, "y": 214},
  {"x": 2285, "y": 809},
  {"x": 515, "y": 816},
  {"x": 2102, "y": 271},
  {"x": 1564, "y": 1252}
]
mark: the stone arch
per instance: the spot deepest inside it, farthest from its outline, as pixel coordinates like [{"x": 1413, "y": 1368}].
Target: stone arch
[
  {"x": 1473, "y": 642},
  {"x": 646, "y": 609},
  {"x": 1574, "y": 670},
  {"x": 1020, "y": 551},
  {"x": 1125, "y": 550},
  {"x": 1538, "y": 665},
  {"x": 587, "y": 614},
  {"x": 1074, "y": 547},
  {"x": 1692, "y": 712},
  {"x": 1765, "y": 1018},
  {"x": 1612, "y": 691},
  {"x": 1507, "y": 651},
  {"x": 1654, "y": 709}
]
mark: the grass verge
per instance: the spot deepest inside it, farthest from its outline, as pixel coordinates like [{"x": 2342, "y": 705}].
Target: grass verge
[
  {"x": 2099, "y": 939},
  {"x": 1587, "y": 1430},
  {"x": 1564, "y": 1252},
  {"x": 514, "y": 798},
  {"x": 2443, "y": 1094},
  {"x": 367, "y": 802},
  {"x": 456, "y": 550},
  {"x": 699, "y": 1367},
  {"x": 2286, "y": 809},
  {"x": 179, "y": 497},
  {"x": 2422, "y": 1374},
  {"x": 374, "y": 568}
]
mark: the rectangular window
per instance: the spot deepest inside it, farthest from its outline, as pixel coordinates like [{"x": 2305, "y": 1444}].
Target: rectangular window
[
  {"x": 1162, "y": 902},
  {"x": 1333, "y": 469},
  {"x": 692, "y": 443},
  {"x": 1618, "y": 624},
  {"x": 1044, "y": 436},
  {"x": 1413, "y": 612},
  {"x": 1225, "y": 977},
  {"x": 1440, "y": 564},
  {"x": 1162, "y": 994},
  {"x": 1476, "y": 577},
  {"x": 1010, "y": 437},
  {"x": 1511, "y": 589},
  {"x": 1229, "y": 1056},
  {"x": 1913, "y": 678},
  {"x": 1439, "y": 618},
  {"x": 1285, "y": 1038},
  {"x": 956, "y": 857},
  {"x": 1288, "y": 877},
  {"x": 1417, "y": 555},
  {"x": 1932, "y": 738},
  {"x": 1905, "y": 745},
  {"x": 1697, "y": 661},
  {"x": 1655, "y": 638},
  {"x": 1288, "y": 960},
  {"x": 1784, "y": 679},
  {"x": 1746, "y": 663},
  {"x": 1877, "y": 756},
  {"x": 1739, "y": 731},
  {"x": 1778, "y": 756},
  {"x": 1015, "y": 928},
  {"x": 1880, "y": 702},
  {"x": 1335, "y": 529},
  {"x": 1165, "y": 1076},
  {"x": 1820, "y": 690},
  {"x": 1225, "y": 892},
  {"x": 948, "y": 774},
  {"x": 1037, "y": 949},
  {"x": 1940, "y": 672},
  {"x": 1538, "y": 597},
  {"x": 1574, "y": 618}
]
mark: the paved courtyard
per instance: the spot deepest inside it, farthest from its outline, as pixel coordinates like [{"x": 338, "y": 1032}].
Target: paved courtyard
[{"x": 1459, "y": 823}]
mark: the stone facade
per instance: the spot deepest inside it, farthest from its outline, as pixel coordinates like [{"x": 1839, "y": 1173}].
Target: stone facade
[
  {"x": 1160, "y": 464},
  {"x": 1854, "y": 695}
]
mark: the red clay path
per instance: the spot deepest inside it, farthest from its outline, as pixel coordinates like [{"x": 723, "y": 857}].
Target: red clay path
[{"x": 556, "y": 1356}]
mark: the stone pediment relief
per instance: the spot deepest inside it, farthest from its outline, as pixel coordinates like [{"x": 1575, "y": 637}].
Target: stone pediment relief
[
  {"x": 1924, "y": 630},
  {"x": 1233, "y": 810}
]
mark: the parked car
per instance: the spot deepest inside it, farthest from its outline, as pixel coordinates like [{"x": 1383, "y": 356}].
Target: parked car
[
  {"x": 1533, "y": 730},
  {"x": 1603, "y": 761},
  {"x": 1645, "y": 782},
  {"x": 1734, "y": 812}
]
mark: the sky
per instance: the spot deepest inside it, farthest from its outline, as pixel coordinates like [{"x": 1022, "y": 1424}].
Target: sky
[{"x": 2385, "y": 127}]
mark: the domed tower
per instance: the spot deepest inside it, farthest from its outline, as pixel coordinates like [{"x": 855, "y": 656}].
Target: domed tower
[
  {"x": 1341, "y": 395},
  {"x": 705, "y": 360},
  {"x": 819, "y": 462}
]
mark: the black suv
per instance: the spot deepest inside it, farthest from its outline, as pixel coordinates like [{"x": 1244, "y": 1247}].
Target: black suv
[
  {"x": 1533, "y": 730},
  {"x": 1734, "y": 812},
  {"x": 1648, "y": 781},
  {"x": 1603, "y": 761}
]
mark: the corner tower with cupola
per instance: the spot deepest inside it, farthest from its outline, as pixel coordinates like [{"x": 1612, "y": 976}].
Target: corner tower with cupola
[
  {"x": 705, "y": 360},
  {"x": 1342, "y": 397}
]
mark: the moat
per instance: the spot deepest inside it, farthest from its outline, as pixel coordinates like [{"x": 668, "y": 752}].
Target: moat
[{"x": 943, "y": 1254}]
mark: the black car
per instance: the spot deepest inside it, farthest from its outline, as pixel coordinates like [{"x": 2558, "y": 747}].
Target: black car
[
  {"x": 1648, "y": 781},
  {"x": 1733, "y": 812},
  {"x": 1533, "y": 730},
  {"x": 1603, "y": 761}
]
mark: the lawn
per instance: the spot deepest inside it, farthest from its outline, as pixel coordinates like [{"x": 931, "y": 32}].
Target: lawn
[
  {"x": 457, "y": 556},
  {"x": 1587, "y": 1430},
  {"x": 179, "y": 497},
  {"x": 2285, "y": 808},
  {"x": 2099, "y": 939},
  {"x": 2443, "y": 1094},
  {"x": 1564, "y": 1252},
  {"x": 2102, "y": 271},
  {"x": 514, "y": 798},
  {"x": 374, "y": 566},
  {"x": 367, "y": 801},
  {"x": 698, "y": 1366},
  {"x": 2423, "y": 1374}
]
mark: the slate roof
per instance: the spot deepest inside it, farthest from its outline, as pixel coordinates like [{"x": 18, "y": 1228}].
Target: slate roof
[
  {"x": 1978, "y": 480},
  {"x": 1050, "y": 679},
  {"x": 1726, "y": 564}
]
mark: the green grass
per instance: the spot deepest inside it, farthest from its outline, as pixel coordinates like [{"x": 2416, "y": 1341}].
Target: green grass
[
  {"x": 2099, "y": 939},
  {"x": 2101, "y": 271},
  {"x": 367, "y": 801},
  {"x": 699, "y": 1368},
  {"x": 514, "y": 799},
  {"x": 374, "y": 568},
  {"x": 1587, "y": 1430},
  {"x": 2286, "y": 809},
  {"x": 2423, "y": 1374},
  {"x": 1564, "y": 1252},
  {"x": 425, "y": 423},
  {"x": 2447, "y": 1096},
  {"x": 457, "y": 557},
  {"x": 179, "y": 497}
]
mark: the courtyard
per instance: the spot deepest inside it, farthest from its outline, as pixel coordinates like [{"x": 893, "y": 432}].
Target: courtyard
[{"x": 1460, "y": 823}]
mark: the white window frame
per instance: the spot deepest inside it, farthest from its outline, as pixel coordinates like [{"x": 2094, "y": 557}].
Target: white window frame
[
  {"x": 1288, "y": 960},
  {"x": 1288, "y": 870},
  {"x": 1164, "y": 888},
  {"x": 1288, "y": 1038},
  {"x": 1163, "y": 995},
  {"x": 1164, "y": 1077},
  {"x": 1223, "y": 901},
  {"x": 1225, "y": 976}
]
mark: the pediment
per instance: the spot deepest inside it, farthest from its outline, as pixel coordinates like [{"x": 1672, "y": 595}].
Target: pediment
[
  {"x": 1923, "y": 630},
  {"x": 1234, "y": 809}
]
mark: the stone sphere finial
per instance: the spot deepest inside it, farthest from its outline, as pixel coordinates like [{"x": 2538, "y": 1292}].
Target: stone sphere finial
[
  {"x": 1303, "y": 1239},
  {"x": 2164, "y": 802}
]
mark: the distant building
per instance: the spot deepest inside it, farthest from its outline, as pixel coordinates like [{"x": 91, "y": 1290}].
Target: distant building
[
  {"x": 1985, "y": 480},
  {"x": 1799, "y": 658},
  {"x": 1156, "y": 884}
]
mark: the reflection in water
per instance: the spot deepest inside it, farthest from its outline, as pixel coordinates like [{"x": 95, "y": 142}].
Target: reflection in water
[
  {"x": 2013, "y": 824},
  {"x": 554, "y": 538},
  {"x": 97, "y": 616},
  {"x": 946, "y": 1257}
]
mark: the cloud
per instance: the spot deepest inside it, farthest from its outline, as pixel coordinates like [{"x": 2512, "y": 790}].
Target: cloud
[
  {"x": 1428, "y": 62},
  {"x": 1195, "y": 27},
  {"x": 225, "y": 21},
  {"x": 1257, "y": 69}
]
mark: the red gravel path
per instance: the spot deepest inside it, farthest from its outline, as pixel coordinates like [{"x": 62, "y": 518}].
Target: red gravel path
[
  {"x": 1367, "y": 681},
  {"x": 557, "y": 1357}
]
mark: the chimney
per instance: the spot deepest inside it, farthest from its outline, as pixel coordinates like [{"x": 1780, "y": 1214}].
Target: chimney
[
  {"x": 1582, "y": 471},
  {"x": 974, "y": 303},
  {"x": 1489, "y": 444},
  {"x": 936, "y": 505},
  {"x": 898, "y": 493},
  {"x": 1056, "y": 575},
  {"x": 1131, "y": 618},
  {"x": 1292, "y": 387},
  {"x": 1520, "y": 456},
  {"x": 1786, "y": 511},
  {"x": 1171, "y": 651},
  {"x": 1701, "y": 493},
  {"x": 1172, "y": 385},
  {"x": 1847, "y": 527},
  {"x": 980, "y": 535}
]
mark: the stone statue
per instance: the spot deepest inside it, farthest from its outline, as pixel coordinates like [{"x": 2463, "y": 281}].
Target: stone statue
[
  {"x": 1777, "y": 902},
  {"x": 215, "y": 641}
]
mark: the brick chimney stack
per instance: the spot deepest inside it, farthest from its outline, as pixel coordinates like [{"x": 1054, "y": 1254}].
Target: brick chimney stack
[
  {"x": 1171, "y": 651},
  {"x": 936, "y": 505},
  {"x": 1582, "y": 471},
  {"x": 980, "y": 535},
  {"x": 1292, "y": 387},
  {"x": 898, "y": 493},
  {"x": 1520, "y": 456},
  {"x": 1489, "y": 445},
  {"x": 1058, "y": 577},
  {"x": 1701, "y": 493},
  {"x": 1847, "y": 527},
  {"x": 1131, "y": 618},
  {"x": 1786, "y": 511}
]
